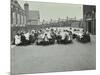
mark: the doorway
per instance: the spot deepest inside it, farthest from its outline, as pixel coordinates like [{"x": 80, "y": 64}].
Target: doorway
[{"x": 89, "y": 27}]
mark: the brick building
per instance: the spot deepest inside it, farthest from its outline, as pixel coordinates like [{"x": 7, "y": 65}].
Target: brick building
[
  {"x": 89, "y": 18},
  {"x": 34, "y": 17},
  {"x": 22, "y": 17},
  {"x": 18, "y": 17}
]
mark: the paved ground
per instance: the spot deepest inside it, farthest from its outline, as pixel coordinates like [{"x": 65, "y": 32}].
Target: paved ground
[{"x": 54, "y": 58}]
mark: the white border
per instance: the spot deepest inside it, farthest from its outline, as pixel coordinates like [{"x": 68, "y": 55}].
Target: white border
[
  {"x": 5, "y": 37},
  {"x": 89, "y": 2}
]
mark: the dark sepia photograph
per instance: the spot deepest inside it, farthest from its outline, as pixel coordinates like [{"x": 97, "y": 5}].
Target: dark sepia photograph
[{"x": 52, "y": 37}]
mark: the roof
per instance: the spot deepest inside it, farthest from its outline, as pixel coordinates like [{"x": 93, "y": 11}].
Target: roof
[
  {"x": 75, "y": 24},
  {"x": 34, "y": 15}
]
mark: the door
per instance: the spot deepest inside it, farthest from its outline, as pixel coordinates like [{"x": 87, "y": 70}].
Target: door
[{"x": 89, "y": 27}]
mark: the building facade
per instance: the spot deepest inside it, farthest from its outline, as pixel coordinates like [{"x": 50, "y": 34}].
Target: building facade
[
  {"x": 34, "y": 17},
  {"x": 23, "y": 17},
  {"x": 18, "y": 17},
  {"x": 89, "y": 18}
]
